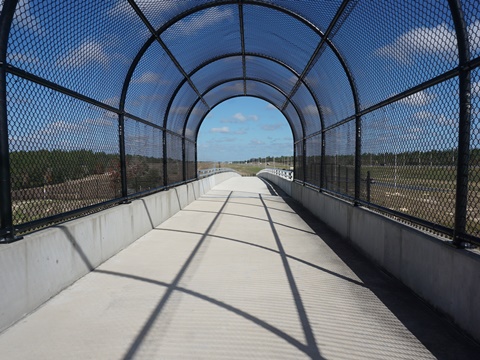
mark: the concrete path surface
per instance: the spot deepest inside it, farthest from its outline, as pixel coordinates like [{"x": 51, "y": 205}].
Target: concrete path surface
[{"x": 241, "y": 273}]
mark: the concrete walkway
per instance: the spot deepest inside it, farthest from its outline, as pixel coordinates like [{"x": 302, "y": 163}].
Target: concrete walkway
[{"x": 240, "y": 273}]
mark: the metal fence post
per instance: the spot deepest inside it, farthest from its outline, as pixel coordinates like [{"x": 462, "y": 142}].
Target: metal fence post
[
  {"x": 461, "y": 200},
  {"x": 358, "y": 156},
  {"x": 304, "y": 160},
  {"x": 346, "y": 180},
  {"x": 123, "y": 157},
  {"x": 184, "y": 163},
  {"x": 322, "y": 162},
  {"x": 165, "y": 162},
  {"x": 7, "y": 232},
  {"x": 369, "y": 181}
]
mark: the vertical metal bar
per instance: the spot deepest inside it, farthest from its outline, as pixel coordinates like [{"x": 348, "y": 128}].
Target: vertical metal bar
[
  {"x": 184, "y": 158},
  {"x": 123, "y": 156},
  {"x": 346, "y": 180},
  {"x": 294, "y": 161},
  {"x": 196, "y": 161},
  {"x": 322, "y": 162},
  {"x": 6, "y": 216},
  {"x": 369, "y": 180},
  {"x": 358, "y": 156},
  {"x": 242, "y": 43},
  {"x": 165, "y": 162},
  {"x": 464, "y": 122},
  {"x": 304, "y": 159},
  {"x": 339, "y": 177}
]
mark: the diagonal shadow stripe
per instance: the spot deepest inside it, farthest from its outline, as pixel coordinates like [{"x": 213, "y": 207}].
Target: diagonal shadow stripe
[
  {"x": 313, "y": 350},
  {"x": 253, "y": 218},
  {"x": 170, "y": 289},
  {"x": 291, "y": 340},
  {"x": 272, "y": 250}
]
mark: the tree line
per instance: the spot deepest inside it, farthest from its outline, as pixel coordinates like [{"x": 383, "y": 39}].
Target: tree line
[{"x": 30, "y": 169}]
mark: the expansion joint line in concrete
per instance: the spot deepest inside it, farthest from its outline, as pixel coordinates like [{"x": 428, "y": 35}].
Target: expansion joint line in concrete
[
  {"x": 312, "y": 348},
  {"x": 171, "y": 288}
]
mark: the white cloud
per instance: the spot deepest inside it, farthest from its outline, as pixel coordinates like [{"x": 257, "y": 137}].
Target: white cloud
[
  {"x": 198, "y": 21},
  {"x": 440, "y": 119},
  {"x": 221, "y": 130},
  {"x": 271, "y": 107},
  {"x": 100, "y": 121},
  {"x": 256, "y": 142},
  {"x": 25, "y": 19},
  {"x": 310, "y": 110},
  {"x": 420, "y": 98},
  {"x": 61, "y": 126},
  {"x": 22, "y": 58},
  {"x": 147, "y": 77},
  {"x": 423, "y": 40},
  {"x": 272, "y": 127},
  {"x": 241, "y": 131},
  {"x": 240, "y": 118},
  {"x": 326, "y": 110},
  {"x": 112, "y": 101},
  {"x": 86, "y": 53},
  {"x": 122, "y": 8}
]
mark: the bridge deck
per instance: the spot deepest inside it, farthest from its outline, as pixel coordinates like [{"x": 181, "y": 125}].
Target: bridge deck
[{"x": 239, "y": 273}]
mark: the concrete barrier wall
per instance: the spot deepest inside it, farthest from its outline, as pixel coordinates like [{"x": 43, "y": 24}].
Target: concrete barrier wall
[
  {"x": 445, "y": 277},
  {"x": 38, "y": 267}
]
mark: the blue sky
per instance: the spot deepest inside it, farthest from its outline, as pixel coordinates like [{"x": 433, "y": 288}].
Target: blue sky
[
  {"x": 91, "y": 55},
  {"x": 244, "y": 128}
]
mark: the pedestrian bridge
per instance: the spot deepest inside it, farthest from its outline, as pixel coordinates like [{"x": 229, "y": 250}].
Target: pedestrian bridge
[
  {"x": 101, "y": 103},
  {"x": 242, "y": 272}
]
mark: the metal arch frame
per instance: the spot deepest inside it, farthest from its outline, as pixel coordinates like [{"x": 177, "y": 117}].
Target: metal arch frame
[
  {"x": 465, "y": 90},
  {"x": 238, "y": 96},
  {"x": 156, "y": 36},
  {"x": 214, "y": 86},
  {"x": 218, "y": 58},
  {"x": 462, "y": 71},
  {"x": 243, "y": 55},
  {"x": 233, "y": 97}
]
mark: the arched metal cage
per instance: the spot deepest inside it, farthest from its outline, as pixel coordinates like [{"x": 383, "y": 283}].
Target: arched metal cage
[{"x": 102, "y": 101}]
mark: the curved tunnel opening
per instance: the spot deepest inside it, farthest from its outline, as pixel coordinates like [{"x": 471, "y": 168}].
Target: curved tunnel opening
[{"x": 246, "y": 134}]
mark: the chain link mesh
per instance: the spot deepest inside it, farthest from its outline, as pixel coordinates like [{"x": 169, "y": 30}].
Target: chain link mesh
[
  {"x": 62, "y": 40},
  {"x": 190, "y": 160},
  {"x": 473, "y": 204},
  {"x": 314, "y": 160},
  {"x": 180, "y": 107},
  {"x": 299, "y": 165},
  {"x": 409, "y": 154},
  {"x": 329, "y": 83},
  {"x": 190, "y": 39},
  {"x": 224, "y": 91},
  {"x": 66, "y": 59},
  {"x": 266, "y": 28},
  {"x": 391, "y": 59},
  {"x": 144, "y": 157},
  {"x": 62, "y": 152},
  {"x": 306, "y": 104},
  {"x": 217, "y": 71},
  {"x": 152, "y": 85},
  {"x": 198, "y": 113},
  {"x": 267, "y": 70},
  {"x": 340, "y": 159},
  {"x": 255, "y": 88},
  {"x": 174, "y": 159}
]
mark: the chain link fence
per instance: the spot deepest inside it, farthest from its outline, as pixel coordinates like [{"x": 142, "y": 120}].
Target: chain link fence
[{"x": 101, "y": 102}]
